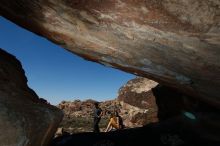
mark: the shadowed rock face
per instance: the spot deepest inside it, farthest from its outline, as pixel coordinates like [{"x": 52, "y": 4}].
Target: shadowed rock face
[
  {"x": 175, "y": 42},
  {"x": 24, "y": 119}
]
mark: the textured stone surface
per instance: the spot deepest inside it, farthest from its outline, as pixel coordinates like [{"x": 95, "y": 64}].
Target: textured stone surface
[
  {"x": 138, "y": 101},
  {"x": 175, "y": 42},
  {"x": 24, "y": 119},
  {"x": 135, "y": 92}
]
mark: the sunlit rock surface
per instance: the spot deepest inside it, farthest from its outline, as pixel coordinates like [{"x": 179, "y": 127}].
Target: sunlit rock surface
[
  {"x": 138, "y": 102},
  {"x": 175, "y": 42},
  {"x": 24, "y": 119}
]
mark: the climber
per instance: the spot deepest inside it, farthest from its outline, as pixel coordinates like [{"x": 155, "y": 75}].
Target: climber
[{"x": 115, "y": 122}]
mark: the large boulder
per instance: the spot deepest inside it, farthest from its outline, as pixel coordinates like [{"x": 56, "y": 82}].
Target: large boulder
[
  {"x": 175, "y": 42},
  {"x": 138, "y": 101},
  {"x": 25, "y": 119},
  {"x": 165, "y": 105}
]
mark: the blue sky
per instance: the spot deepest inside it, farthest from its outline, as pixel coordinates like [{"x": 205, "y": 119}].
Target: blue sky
[{"x": 56, "y": 74}]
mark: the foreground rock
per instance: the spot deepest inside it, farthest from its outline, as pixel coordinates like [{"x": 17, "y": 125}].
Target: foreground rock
[
  {"x": 24, "y": 119},
  {"x": 174, "y": 133},
  {"x": 174, "y": 42}
]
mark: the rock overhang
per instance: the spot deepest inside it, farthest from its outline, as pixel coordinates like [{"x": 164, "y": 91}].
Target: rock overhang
[{"x": 173, "y": 42}]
